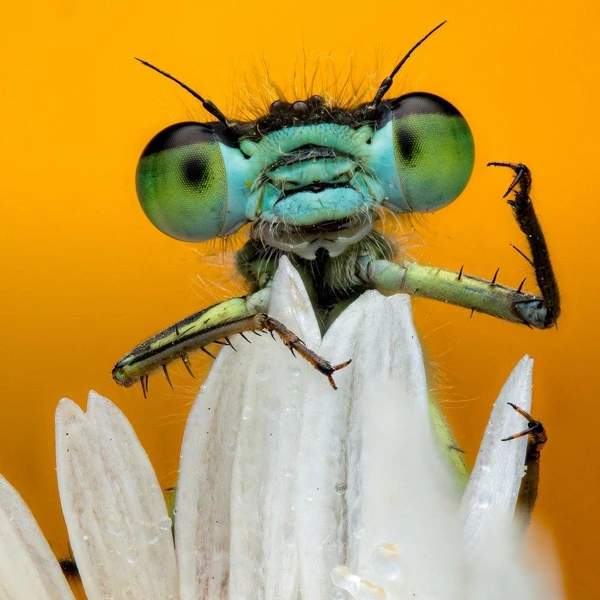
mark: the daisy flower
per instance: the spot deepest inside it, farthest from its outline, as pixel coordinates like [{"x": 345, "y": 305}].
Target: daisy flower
[{"x": 288, "y": 489}]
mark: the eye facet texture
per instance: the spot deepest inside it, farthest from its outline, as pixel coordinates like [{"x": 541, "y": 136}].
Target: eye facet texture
[
  {"x": 433, "y": 149},
  {"x": 182, "y": 184}
]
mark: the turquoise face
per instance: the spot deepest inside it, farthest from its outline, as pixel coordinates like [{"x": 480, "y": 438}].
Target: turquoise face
[{"x": 305, "y": 166}]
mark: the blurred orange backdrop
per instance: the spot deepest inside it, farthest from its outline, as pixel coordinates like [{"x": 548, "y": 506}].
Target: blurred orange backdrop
[{"x": 87, "y": 276}]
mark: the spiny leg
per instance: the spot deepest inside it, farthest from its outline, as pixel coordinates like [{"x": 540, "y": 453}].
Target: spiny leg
[
  {"x": 474, "y": 293},
  {"x": 524, "y": 214},
  {"x": 213, "y": 325},
  {"x": 293, "y": 342},
  {"x": 536, "y": 438}
]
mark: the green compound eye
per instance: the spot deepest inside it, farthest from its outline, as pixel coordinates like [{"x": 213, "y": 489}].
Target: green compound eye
[
  {"x": 182, "y": 183},
  {"x": 433, "y": 153}
]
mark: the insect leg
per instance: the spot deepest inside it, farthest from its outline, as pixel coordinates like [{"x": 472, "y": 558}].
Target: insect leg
[
  {"x": 192, "y": 333},
  {"x": 536, "y": 439},
  {"x": 478, "y": 294},
  {"x": 218, "y": 322},
  {"x": 524, "y": 214},
  {"x": 293, "y": 342}
]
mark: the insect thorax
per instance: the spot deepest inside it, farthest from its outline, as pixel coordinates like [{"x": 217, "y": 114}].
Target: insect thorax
[{"x": 332, "y": 281}]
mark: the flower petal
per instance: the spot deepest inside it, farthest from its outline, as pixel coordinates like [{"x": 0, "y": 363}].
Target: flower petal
[
  {"x": 369, "y": 470},
  {"x": 28, "y": 568},
  {"x": 236, "y": 492},
  {"x": 488, "y": 504},
  {"x": 113, "y": 505}
]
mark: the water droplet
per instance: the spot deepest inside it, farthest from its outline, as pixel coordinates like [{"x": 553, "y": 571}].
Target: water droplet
[
  {"x": 246, "y": 412},
  {"x": 484, "y": 502},
  {"x": 353, "y": 584},
  {"x": 294, "y": 370},
  {"x": 175, "y": 511},
  {"x": 165, "y": 523},
  {"x": 340, "y": 488},
  {"x": 230, "y": 446},
  {"x": 391, "y": 185},
  {"x": 85, "y": 538},
  {"x": 132, "y": 554},
  {"x": 386, "y": 562},
  {"x": 292, "y": 389},
  {"x": 151, "y": 532},
  {"x": 287, "y": 471},
  {"x": 356, "y": 526},
  {"x": 339, "y": 575},
  {"x": 127, "y": 590},
  {"x": 337, "y": 595},
  {"x": 114, "y": 525}
]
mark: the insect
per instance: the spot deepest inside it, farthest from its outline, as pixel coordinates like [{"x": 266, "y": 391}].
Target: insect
[{"x": 312, "y": 179}]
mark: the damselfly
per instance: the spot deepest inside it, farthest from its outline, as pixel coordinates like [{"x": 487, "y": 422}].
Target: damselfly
[{"x": 313, "y": 180}]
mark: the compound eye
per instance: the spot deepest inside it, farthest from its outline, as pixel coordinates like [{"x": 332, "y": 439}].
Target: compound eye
[
  {"x": 182, "y": 184},
  {"x": 434, "y": 151}
]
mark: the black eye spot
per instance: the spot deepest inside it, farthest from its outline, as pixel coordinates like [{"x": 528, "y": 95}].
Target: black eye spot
[
  {"x": 408, "y": 145},
  {"x": 194, "y": 171}
]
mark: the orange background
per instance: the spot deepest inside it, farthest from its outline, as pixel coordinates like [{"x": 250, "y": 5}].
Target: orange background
[{"x": 86, "y": 276}]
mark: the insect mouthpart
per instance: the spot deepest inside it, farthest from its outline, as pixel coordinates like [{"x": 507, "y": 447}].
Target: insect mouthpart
[
  {"x": 334, "y": 236},
  {"x": 314, "y": 188}
]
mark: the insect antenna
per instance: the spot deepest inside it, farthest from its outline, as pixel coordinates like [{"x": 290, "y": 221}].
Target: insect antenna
[
  {"x": 207, "y": 104},
  {"x": 386, "y": 84}
]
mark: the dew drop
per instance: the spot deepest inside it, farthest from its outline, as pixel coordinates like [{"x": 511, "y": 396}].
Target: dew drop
[
  {"x": 294, "y": 370},
  {"x": 293, "y": 389},
  {"x": 85, "y": 538},
  {"x": 386, "y": 562},
  {"x": 114, "y": 525},
  {"x": 289, "y": 406},
  {"x": 391, "y": 185},
  {"x": 340, "y": 488},
  {"x": 356, "y": 526},
  {"x": 484, "y": 502},
  {"x": 127, "y": 590},
  {"x": 165, "y": 523},
  {"x": 132, "y": 554},
  {"x": 287, "y": 471},
  {"x": 246, "y": 412},
  {"x": 353, "y": 584},
  {"x": 337, "y": 595},
  {"x": 151, "y": 532}
]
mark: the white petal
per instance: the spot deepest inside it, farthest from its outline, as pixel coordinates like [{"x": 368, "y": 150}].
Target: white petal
[
  {"x": 369, "y": 471},
  {"x": 236, "y": 493},
  {"x": 28, "y": 568},
  {"x": 488, "y": 504},
  {"x": 113, "y": 505}
]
